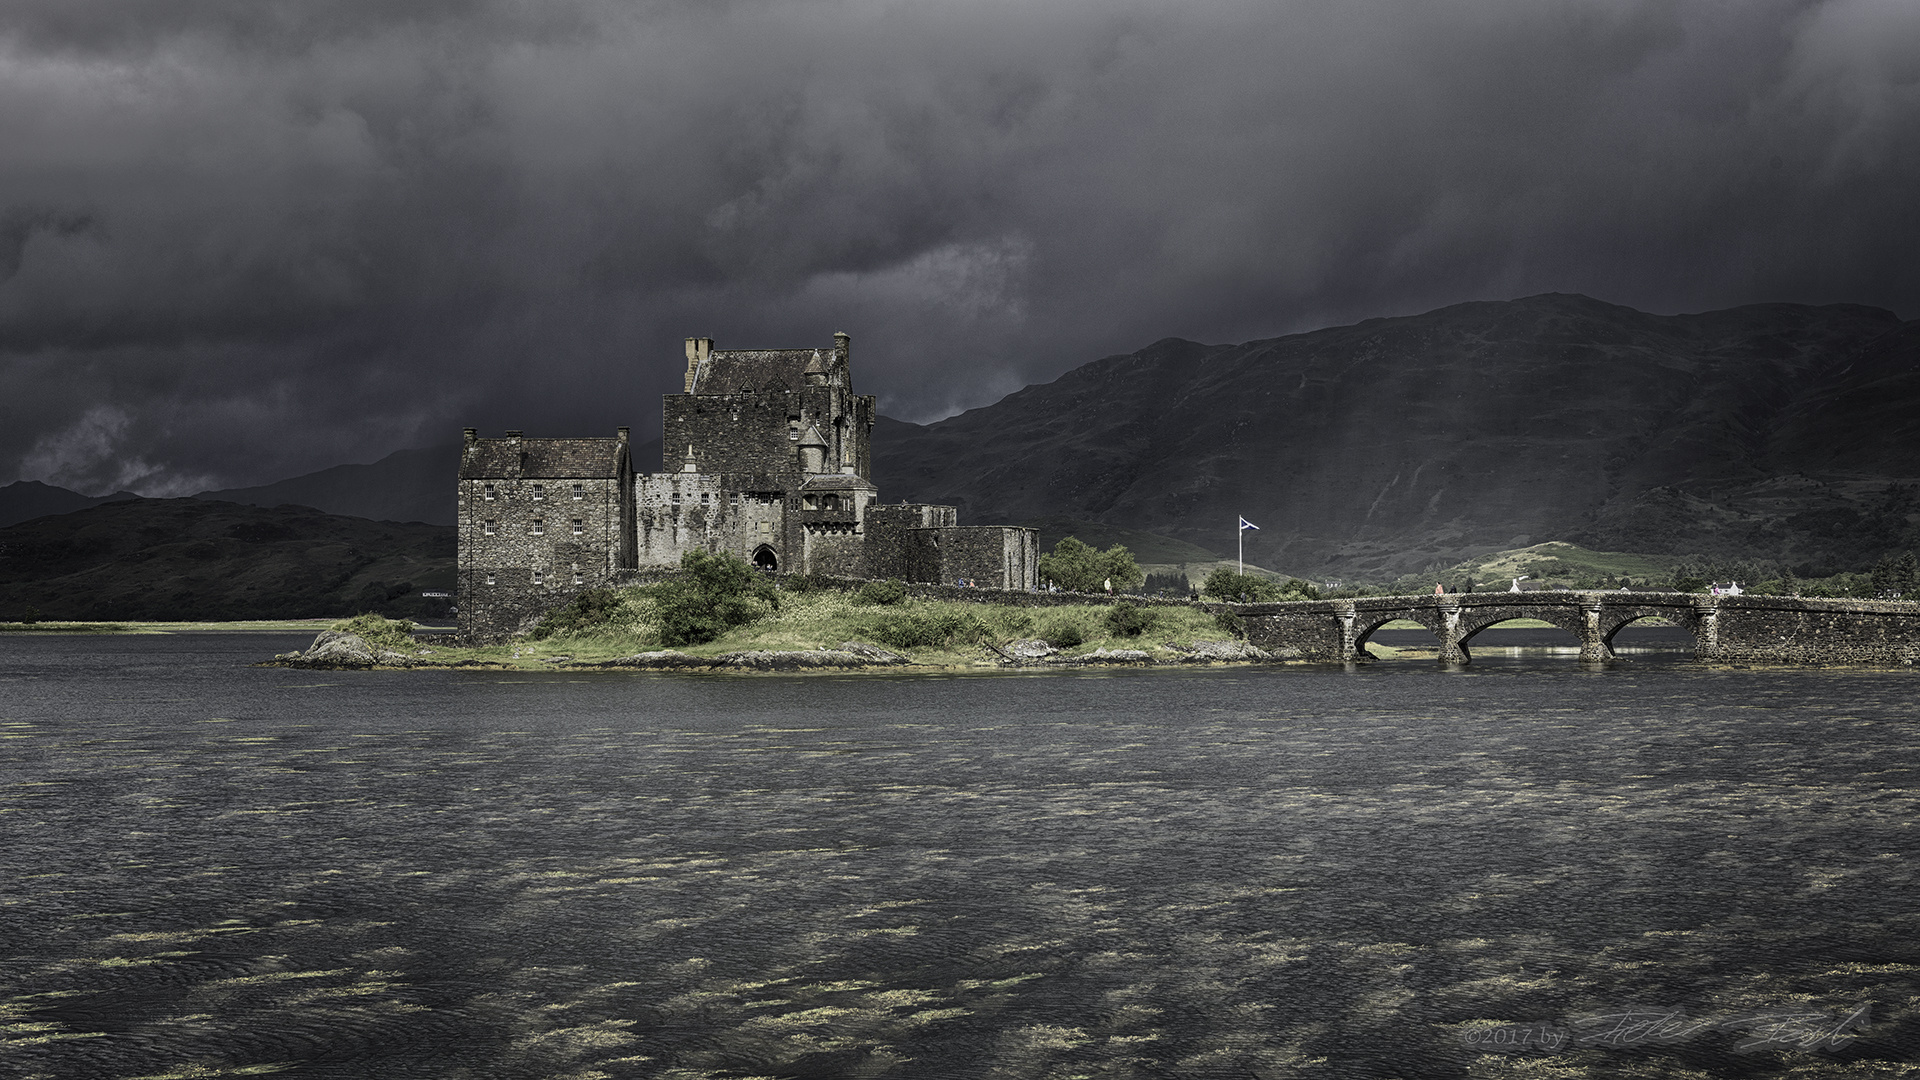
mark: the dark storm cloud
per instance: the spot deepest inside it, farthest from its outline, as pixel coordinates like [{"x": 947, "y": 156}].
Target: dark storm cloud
[{"x": 241, "y": 240}]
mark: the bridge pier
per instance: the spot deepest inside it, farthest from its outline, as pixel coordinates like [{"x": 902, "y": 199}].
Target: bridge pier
[
  {"x": 1593, "y": 642},
  {"x": 1349, "y": 653},
  {"x": 1706, "y": 627},
  {"x": 1451, "y": 651}
]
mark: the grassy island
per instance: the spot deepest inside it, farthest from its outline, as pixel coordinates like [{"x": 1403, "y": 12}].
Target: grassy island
[{"x": 720, "y": 608}]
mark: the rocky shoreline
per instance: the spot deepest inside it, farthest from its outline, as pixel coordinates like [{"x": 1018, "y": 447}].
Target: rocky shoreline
[{"x": 336, "y": 650}]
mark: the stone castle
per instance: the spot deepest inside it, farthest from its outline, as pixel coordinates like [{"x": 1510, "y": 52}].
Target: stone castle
[{"x": 765, "y": 454}]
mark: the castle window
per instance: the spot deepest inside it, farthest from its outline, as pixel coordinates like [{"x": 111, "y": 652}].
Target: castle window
[
  {"x": 578, "y": 577},
  {"x": 579, "y": 491},
  {"x": 676, "y": 497},
  {"x": 486, "y": 527},
  {"x": 488, "y": 489},
  {"x": 539, "y": 526},
  {"x": 577, "y": 530},
  {"x": 703, "y": 498},
  {"x": 537, "y": 577},
  {"x": 539, "y": 492}
]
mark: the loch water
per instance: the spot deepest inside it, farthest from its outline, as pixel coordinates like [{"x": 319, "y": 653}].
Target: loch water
[{"x": 1524, "y": 867}]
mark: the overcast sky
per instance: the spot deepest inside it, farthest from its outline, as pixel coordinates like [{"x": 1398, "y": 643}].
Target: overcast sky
[{"x": 245, "y": 239}]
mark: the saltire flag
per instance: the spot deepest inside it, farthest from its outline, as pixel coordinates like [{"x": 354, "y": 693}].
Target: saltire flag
[{"x": 1245, "y": 525}]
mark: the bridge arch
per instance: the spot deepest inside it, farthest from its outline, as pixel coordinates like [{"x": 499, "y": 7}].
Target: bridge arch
[
  {"x": 1613, "y": 620},
  {"x": 1366, "y": 622},
  {"x": 1471, "y": 624}
]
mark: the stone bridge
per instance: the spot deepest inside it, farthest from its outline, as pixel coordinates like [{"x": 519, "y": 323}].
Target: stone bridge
[{"x": 1741, "y": 629}]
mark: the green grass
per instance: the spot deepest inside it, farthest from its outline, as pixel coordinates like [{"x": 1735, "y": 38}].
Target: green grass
[{"x": 1545, "y": 565}]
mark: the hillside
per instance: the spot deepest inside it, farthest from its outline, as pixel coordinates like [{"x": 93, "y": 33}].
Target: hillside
[
  {"x": 406, "y": 485},
  {"x": 1396, "y": 445},
  {"x": 24, "y": 500},
  {"x": 202, "y": 559}
]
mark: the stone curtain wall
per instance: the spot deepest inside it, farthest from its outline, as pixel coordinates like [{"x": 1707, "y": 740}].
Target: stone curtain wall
[
  {"x": 997, "y": 556},
  {"x": 898, "y": 544}
]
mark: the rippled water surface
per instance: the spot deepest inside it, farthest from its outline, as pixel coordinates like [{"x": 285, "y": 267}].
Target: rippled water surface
[{"x": 212, "y": 869}]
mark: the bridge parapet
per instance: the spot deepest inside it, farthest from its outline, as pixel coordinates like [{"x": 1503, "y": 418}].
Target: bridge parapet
[{"x": 1743, "y": 629}]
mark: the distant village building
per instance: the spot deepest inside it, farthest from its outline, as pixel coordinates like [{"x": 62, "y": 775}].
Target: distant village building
[{"x": 765, "y": 454}]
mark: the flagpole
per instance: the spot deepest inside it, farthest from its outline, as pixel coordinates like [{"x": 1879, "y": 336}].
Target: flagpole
[{"x": 1241, "y": 530}]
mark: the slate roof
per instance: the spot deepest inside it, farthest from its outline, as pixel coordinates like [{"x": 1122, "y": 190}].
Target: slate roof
[
  {"x": 543, "y": 459},
  {"x": 740, "y": 371},
  {"x": 839, "y": 482}
]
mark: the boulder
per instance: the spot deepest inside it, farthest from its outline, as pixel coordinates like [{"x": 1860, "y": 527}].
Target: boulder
[{"x": 1033, "y": 649}]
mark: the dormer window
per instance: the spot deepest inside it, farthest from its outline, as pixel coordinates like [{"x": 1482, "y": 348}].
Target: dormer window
[
  {"x": 579, "y": 492},
  {"x": 539, "y": 492},
  {"x": 487, "y": 490},
  {"x": 539, "y": 526},
  {"x": 486, "y": 527}
]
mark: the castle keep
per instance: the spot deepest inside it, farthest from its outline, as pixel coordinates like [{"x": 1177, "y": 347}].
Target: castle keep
[{"x": 765, "y": 454}]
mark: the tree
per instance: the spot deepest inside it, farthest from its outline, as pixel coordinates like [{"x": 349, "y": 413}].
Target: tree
[
  {"x": 1895, "y": 575},
  {"x": 719, "y": 592},
  {"x": 1079, "y": 567}
]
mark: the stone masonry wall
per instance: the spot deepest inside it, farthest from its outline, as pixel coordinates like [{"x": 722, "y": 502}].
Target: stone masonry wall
[
  {"x": 898, "y": 544},
  {"x": 997, "y": 556},
  {"x": 1752, "y": 629},
  {"x": 530, "y": 545}
]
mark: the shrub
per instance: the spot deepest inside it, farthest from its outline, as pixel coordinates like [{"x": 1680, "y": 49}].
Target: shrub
[
  {"x": 924, "y": 628},
  {"x": 378, "y": 630},
  {"x": 1129, "y": 620},
  {"x": 1230, "y": 623},
  {"x": 806, "y": 583},
  {"x": 880, "y": 593},
  {"x": 586, "y": 611},
  {"x": 1063, "y": 631},
  {"x": 720, "y": 592},
  {"x": 30, "y": 616}
]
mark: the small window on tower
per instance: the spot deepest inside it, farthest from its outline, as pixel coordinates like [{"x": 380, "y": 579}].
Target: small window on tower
[
  {"x": 539, "y": 526},
  {"x": 538, "y": 577},
  {"x": 703, "y": 498},
  {"x": 488, "y": 489},
  {"x": 489, "y": 579},
  {"x": 577, "y": 530},
  {"x": 579, "y": 491},
  {"x": 486, "y": 528},
  {"x": 539, "y": 492}
]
